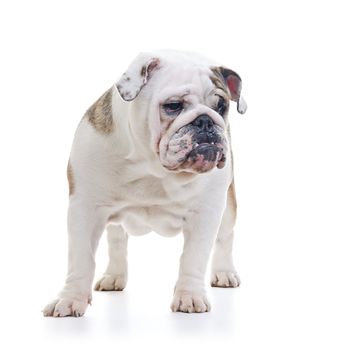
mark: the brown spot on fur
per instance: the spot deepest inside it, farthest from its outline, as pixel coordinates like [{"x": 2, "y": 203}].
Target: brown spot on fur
[
  {"x": 230, "y": 146},
  {"x": 219, "y": 82},
  {"x": 100, "y": 113},
  {"x": 70, "y": 178},
  {"x": 231, "y": 201},
  {"x": 231, "y": 193},
  {"x": 113, "y": 217}
]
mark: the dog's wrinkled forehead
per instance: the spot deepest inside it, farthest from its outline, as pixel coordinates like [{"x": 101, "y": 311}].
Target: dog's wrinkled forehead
[{"x": 176, "y": 68}]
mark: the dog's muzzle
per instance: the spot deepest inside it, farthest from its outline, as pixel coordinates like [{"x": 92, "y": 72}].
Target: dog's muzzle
[{"x": 199, "y": 146}]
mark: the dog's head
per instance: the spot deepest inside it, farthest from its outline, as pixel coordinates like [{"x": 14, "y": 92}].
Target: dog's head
[{"x": 182, "y": 105}]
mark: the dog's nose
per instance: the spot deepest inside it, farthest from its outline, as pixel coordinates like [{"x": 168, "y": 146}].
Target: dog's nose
[{"x": 204, "y": 122}]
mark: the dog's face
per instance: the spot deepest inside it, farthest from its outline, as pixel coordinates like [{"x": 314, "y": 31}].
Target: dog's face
[
  {"x": 186, "y": 101},
  {"x": 193, "y": 127}
]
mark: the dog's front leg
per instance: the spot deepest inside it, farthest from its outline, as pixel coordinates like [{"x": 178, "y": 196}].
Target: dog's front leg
[
  {"x": 199, "y": 235},
  {"x": 85, "y": 226}
]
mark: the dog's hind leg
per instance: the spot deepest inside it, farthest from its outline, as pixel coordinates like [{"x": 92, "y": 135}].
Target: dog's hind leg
[
  {"x": 223, "y": 273},
  {"x": 115, "y": 276}
]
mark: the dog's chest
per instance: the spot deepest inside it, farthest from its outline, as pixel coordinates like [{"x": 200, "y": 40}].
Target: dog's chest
[
  {"x": 167, "y": 221},
  {"x": 153, "y": 204}
]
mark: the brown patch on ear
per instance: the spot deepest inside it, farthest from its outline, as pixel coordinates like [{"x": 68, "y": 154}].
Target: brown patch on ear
[
  {"x": 100, "y": 113},
  {"x": 218, "y": 80},
  {"x": 70, "y": 178},
  {"x": 227, "y": 80}
]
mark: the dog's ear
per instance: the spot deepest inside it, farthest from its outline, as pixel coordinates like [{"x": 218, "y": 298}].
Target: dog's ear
[
  {"x": 137, "y": 75},
  {"x": 234, "y": 84}
]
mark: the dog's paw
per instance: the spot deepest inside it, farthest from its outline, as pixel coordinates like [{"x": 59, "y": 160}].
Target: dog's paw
[
  {"x": 227, "y": 279},
  {"x": 65, "y": 307},
  {"x": 189, "y": 302},
  {"x": 109, "y": 282}
]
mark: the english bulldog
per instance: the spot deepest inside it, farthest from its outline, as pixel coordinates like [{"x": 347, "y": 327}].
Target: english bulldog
[{"x": 153, "y": 153}]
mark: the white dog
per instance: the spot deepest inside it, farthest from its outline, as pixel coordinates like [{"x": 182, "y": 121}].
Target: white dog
[{"x": 153, "y": 153}]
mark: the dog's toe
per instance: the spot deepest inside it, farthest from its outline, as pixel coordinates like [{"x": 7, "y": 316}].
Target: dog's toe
[
  {"x": 225, "y": 279},
  {"x": 109, "y": 282},
  {"x": 189, "y": 302},
  {"x": 65, "y": 307}
]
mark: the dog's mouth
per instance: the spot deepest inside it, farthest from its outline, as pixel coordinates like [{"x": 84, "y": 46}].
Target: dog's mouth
[
  {"x": 208, "y": 151},
  {"x": 193, "y": 150},
  {"x": 205, "y": 156}
]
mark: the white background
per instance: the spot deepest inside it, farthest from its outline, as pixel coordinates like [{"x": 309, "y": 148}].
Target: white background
[{"x": 291, "y": 169}]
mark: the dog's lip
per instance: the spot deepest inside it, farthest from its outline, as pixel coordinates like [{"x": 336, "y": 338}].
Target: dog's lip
[
  {"x": 194, "y": 147},
  {"x": 221, "y": 160},
  {"x": 197, "y": 148}
]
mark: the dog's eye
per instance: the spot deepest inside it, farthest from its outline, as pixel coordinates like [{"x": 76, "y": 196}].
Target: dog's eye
[
  {"x": 221, "y": 106},
  {"x": 173, "y": 107}
]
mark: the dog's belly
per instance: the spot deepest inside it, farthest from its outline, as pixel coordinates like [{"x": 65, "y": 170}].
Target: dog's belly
[{"x": 166, "y": 221}]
